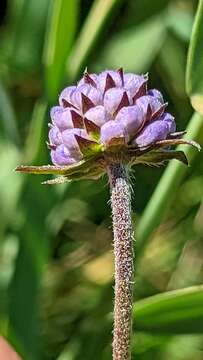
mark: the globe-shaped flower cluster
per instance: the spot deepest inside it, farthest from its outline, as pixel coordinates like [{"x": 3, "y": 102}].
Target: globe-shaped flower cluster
[
  {"x": 107, "y": 118},
  {"x": 108, "y": 109}
]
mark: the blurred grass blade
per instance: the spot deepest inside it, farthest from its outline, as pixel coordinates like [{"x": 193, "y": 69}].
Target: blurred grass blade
[
  {"x": 28, "y": 19},
  {"x": 168, "y": 185},
  {"x": 10, "y": 185},
  {"x": 174, "y": 312},
  {"x": 180, "y": 20},
  {"x": 172, "y": 60},
  {"x": 136, "y": 48},
  {"x": 34, "y": 143},
  {"x": 24, "y": 323},
  {"x": 194, "y": 78},
  {"x": 8, "y": 117},
  {"x": 59, "y": 38},
  {"x": 96, "y": 18}
]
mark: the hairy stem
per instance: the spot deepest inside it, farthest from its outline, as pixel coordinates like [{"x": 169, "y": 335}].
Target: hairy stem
[{"x": 123, "y": 251}]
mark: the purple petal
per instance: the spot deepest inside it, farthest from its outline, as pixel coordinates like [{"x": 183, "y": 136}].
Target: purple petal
[
  {"x": 97, "y": 115},
  {"x": 112, "y": 99},
  {"x": 112, "y": 130},
  {"x": 61, "y": 117},
  {"x": 66, "y": 94},
  {"x": 84, "y": 80},
  {"x": 61, "y": 156},
  {"x": 156, "y": 93},
  {"x": 132, "y": 118},
  {"x": 102, "y": 79},
  {"x": 70, "y": 141},
  {"x": 155, "y": 131},
  {"x": 170, "y": 120},
  {"x": 145, "y": 101},
  {"x": 90, "y": 92},
  {"x": 133, "y": 82},
  {"x": 55, "y": 137}
]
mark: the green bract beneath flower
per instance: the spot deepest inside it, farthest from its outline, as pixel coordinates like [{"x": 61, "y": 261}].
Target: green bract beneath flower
[{"x": 108, "y": 118}]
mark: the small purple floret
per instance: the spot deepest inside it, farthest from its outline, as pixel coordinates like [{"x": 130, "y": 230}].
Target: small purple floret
[
  {"x": 155, "y": 131},
  {"x": 115, "y": 106},
  {"x": 112, "y": 130}
]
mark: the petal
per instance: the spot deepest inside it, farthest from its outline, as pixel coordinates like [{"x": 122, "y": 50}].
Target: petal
[
  {"x": 144, "y": 102},
  {"x": 55, "y": 136},
  {"x": 97, "y": 115},
  {"x": 112, "y": 130},
  {"x": 132, "y": 118},
  {"x": 102, "y": 79},
  {"x": 157, "y": 94},
  {"x": 132, "y": 83},
  {"x": 70, "y": 142},
  {"x": 61, "y": 117},
  {"x": 90, "y": 92},
  {"x": 92, "y": 78},
  {"x": 170, "y": 120},
  {"x": 66, "y": 94},
  {"x": 113, "y": 98},
  {"x": 155, "y": 131},
  {"x": 61, "y": 156}
]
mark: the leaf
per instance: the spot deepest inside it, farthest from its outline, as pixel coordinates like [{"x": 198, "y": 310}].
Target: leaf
[
  {"x": 180, "y": 20},
  {"x": 136, "y": 48},
  {"x": 174, "y": 312},
  {"x": 91, "y": 168},
  {"x": 8, "y": 116},
  {"x": 160, "y": 156},
  {"x": 27, "y": 20},
  {"x": 34, "y": 141},
  {"x": 168, "y": 184},
  {"x": 59, "y": 39},
  {"x": 92, "y": 27},
  {"x": 172, "y": 69},
  {"x": 194, "y": 71},
  {"x": 23, "y": 311},
  {"x": 9, "y": 194}
]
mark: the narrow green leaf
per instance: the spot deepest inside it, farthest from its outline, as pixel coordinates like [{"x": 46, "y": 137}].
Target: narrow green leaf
[
  {"x": 136, "y": 48},
  {"x": 24, "y": 323},
  {"x": 169, "y": 183},
  {"x": 60, "y": 34},
  {"x": 10, "y": 185},
  {"x": 8, "y": 117},
  {"x": 27, "y": 21},
  {"x": 94, "y": 23},
  {"x": 173, "y": 312},
  {"x": 34, "y": 139},
  {"x": 194, "y": 78},
  {"x": 180, "y": 20}
]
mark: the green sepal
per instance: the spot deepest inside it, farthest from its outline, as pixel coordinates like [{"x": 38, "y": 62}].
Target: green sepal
[
  {"x": 87, "y": 147},
  {"x": 158, "y": 157},
  {"x": 92, "y": 129},
  {"x": 91, "y": 168}
]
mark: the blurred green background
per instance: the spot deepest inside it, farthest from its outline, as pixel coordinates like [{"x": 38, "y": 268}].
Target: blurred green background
[{"x": 56, "y": 263}]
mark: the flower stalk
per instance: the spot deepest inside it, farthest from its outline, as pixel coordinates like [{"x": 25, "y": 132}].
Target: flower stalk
[{"x": 123, "y": 252}]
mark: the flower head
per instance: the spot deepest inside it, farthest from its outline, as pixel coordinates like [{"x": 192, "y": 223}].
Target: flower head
[{"x": 105, "y": 118}]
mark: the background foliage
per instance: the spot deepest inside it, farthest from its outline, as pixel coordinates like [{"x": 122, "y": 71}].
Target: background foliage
[{"x": 56, "y": 260}]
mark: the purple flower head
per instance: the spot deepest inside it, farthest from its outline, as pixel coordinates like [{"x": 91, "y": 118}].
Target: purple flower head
[
  {"x": 108, "y": 108},
  {"x": 107, "y": 117}
]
